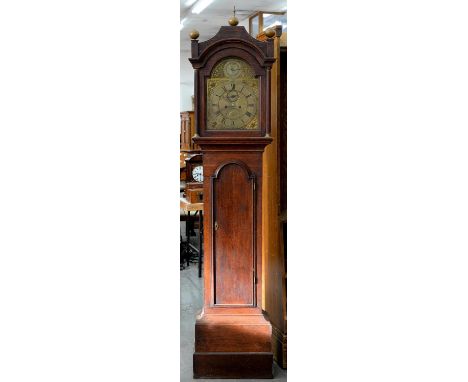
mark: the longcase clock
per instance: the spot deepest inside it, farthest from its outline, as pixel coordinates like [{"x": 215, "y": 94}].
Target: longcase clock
[{"x": 232, "y": 117}]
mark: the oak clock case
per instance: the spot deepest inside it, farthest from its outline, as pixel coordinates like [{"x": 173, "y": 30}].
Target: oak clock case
[
  {"x": 228, "y": 93},
  {"x": 232, "y": 113}
]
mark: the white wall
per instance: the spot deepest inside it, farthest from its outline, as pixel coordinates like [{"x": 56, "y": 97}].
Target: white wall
[
  {"x": 186, "y": 79},
  {"x": 186, "y": 92}
]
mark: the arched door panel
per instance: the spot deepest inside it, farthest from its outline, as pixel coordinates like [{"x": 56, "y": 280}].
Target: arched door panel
[{"x": 233, "y": 190}]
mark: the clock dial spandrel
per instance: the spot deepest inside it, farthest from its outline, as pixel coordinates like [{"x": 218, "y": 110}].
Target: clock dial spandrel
[{"x": 232, "y": 96}]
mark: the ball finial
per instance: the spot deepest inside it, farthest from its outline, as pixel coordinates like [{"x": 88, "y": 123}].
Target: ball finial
[
  {"x": 194, "y": 34},
  {"x": 270, "y": 32},
  {"x": 233, "y": 21}
]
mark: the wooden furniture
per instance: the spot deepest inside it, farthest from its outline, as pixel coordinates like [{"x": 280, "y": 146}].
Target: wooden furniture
[
  {"x": 194, "y": 193},
  {"x": 189, "y": 207},
  {"x": 232, "y": 109},
  {"x": 187, "y": 147},
  {"x": 183, "y": 172},
  {"x": 274, "y": 205},
  {"x": 194, "y": 177},
  {"x": 187, "y": 131},
  {"x": 259, "y": 21},
  {"x": 194, "y": 166}
]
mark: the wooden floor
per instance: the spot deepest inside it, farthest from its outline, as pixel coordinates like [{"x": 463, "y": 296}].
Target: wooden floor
[{"x": 191, "y": 302}]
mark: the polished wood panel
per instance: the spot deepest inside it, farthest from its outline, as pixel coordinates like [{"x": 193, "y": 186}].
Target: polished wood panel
[
  {"x": 234, "y": 267},
  {"x": 224, "y": 333}
]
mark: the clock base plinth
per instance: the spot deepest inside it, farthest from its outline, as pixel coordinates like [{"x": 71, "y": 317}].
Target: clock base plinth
[
  {"x": 233, "y": 346},
  {"x": 233, "y": 365}
]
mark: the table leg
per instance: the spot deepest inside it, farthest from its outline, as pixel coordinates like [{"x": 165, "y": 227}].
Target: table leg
[
  {"x": 200, "y": 240},
  {"x": 182, "y": 253},
  {"x": 187, "y": 232}
]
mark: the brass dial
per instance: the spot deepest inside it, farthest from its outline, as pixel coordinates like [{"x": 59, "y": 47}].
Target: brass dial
[{"x": 232, "y": 102}]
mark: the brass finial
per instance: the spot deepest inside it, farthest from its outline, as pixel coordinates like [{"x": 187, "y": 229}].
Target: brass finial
[
  {"x": 233, "y": 21},
  {"x": 270, "y": 32},
  {"x": 194, "y": 34}
]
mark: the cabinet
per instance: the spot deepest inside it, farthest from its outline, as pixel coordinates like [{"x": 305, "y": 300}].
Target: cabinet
[{"x": 187, "y": 131}]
